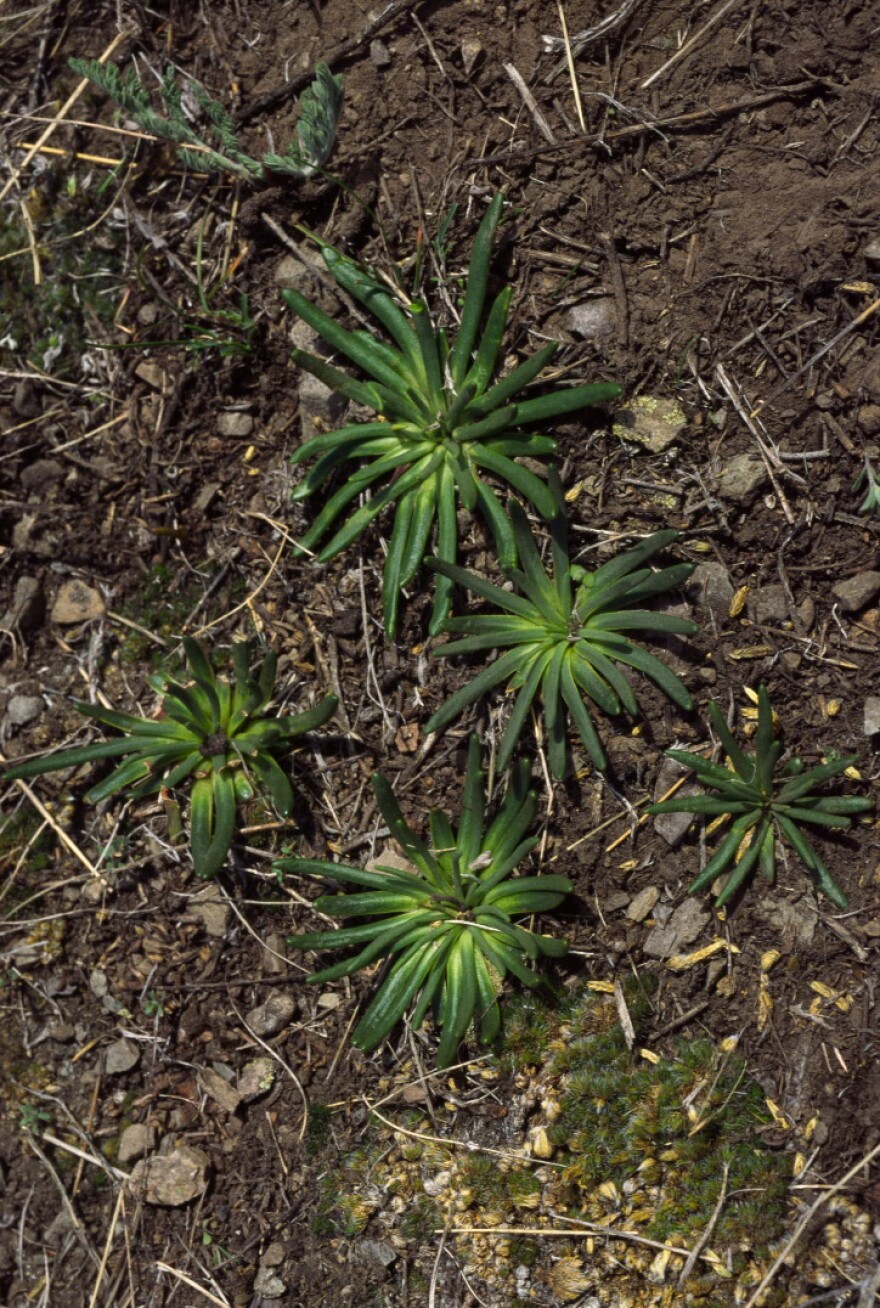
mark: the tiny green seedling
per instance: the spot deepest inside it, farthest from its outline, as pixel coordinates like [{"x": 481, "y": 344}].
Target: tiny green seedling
[
  {"x": 448, "y": 927},
  {"x": 767, "y": 804},
  {"x": 566, "y": 635},
  {"x": 222, "y": 733},
  {"x": 867, "y": 477},
  {"x": 443, "y": 422},
  {"x": 218, "y": 149}
]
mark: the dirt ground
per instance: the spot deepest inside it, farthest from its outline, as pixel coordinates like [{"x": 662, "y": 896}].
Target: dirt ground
[{"x": 700, "y": 224}]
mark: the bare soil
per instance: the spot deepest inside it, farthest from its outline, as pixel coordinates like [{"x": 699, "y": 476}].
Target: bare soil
[{"x": 714, "y": 221}]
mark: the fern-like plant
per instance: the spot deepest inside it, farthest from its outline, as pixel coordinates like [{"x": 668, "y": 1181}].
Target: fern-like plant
[
  {"x": 768, "y": 804},
  {"x": 447, "y": 927},
  {"x": 564, "y": 636},
  {"x": 218, "y": 148},
  {"x": 444, "y": 422}
]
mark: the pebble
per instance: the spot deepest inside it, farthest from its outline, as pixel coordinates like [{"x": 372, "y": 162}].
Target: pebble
[
  {"x": 741, "y": 479},
  {"x": 27, "y": 607},
  {"x": 770, "y": 604},
  {"x": 594, "y": 319},
  {"x": 136, "y": 1141},
  {"x": 872, "y": 250},
  {"x": 235, "y": 424},
  {"x": 120, "y": 1057},
  {"x": 41, "y": 473},
  {"x": 154, "y": 376},
  {"x": 256, "y": 1079},
  {"x": 77, "y": 602},
  {"x": 709, "y": 585},
  {"x": 320, "y": 408},
  {"x": 471, "y": 50},
  {"x": 219, "y": 1089},
  {"x": 642, "y": 905},
  {"x": 297, "y": 274},
  {"x": 872, "y": 715},
  {"x": 173, "y": 1179},
  {"x": 854, "y": 593},
  {"x": 869, "y": 419},
  {"x": 22, "y": 709},
  {"x": 269, "y": 1018},
  {"x": 380, "y": 55},
  {"x": 672, "y": 827},
  {"x": 683, "y": 927},
  {"x": 651, "y": 421},
  {"x": 267, "y": 1285},
  {"x": 210, "y": 907}
]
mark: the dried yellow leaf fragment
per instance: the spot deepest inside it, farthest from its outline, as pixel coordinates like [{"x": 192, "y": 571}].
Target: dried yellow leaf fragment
[{"x": 681, "y": 962}]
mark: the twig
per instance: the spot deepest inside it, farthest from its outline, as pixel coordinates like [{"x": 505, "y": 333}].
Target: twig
[
  {"x": 804, "y": 1222},
  {"x": 569, "y": 59},
  {"x": 531, "y": 103},
  {"x": 582, "y": 39},
  {"x": 685, "y": 50},
  {"x": 193, "y": 1285},
  {"x": 108, "y": 1243},
  {"x": 59, "y": 830},
  {"x": 770, "y": 463}
]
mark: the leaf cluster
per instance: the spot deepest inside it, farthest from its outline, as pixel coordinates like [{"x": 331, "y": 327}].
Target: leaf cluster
[
  {"x": 768, "y": 803},
  {"x": 223, "y": 734},
  {"x": 448, "y": 927},
  {"x": 217, "y": 148},
  {"x": 444, "y": 422},
  {"x": 564, "y": 636}
]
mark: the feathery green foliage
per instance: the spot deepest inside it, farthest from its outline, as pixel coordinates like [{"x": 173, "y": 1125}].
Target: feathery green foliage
[
  {"x": 448, "y": 926},
  {"x": 218, "y": 732},
  {"x": 218, "y": 147},
  {"x": 444, "y": 422},
  {"x": 867, "y": 477},
  {"x": 565, "y": 634},
  {"x": 767, "y": 803}
]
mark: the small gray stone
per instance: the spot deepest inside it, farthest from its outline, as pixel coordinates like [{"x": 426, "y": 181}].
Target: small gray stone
[
  {"x": 872, "y": 715},
  {"x": 22, "y": 709},
  {"x": 210, "y": 906},
  {"x": 172, "y": 1179},
  {"x": 219, "y": 1089},
  {"x": 854, "y": 593},
  {"x": 471, "y": 50},
  {"x": 267, "y": 1285},
  {"x": 77, "y": 602},
  {"x": 120, "y": 1057},
  {"x": 27, "y": 607},
  {"x": 154, "y": 376},
  {"x": 872, "y": 250},
  {"x": 869, "y": 419},
  {"x": 235, "y": 424},
  {"x": 298, "y": 274},
  {"x": 320, "y": 408},
  {"x": 709, "y": 585},
  {"x": 380, "y": 55},
  {"x": 256, "y": 1079},
  {"x": 639, "y": 908},
  {"x": 594, "y": 319},
  {"x": 272, "y": 1016},
  {"x": 147, "y": 314},
  {"x": 672, "y": 827},
  {"x": 741, "y": 479},
  {"x": 770, "y": 604},
  {"x": 41, "y": 473},
  {"x": 796, "y": 922},
  {"x": 651, "y": 421},
  {"x": 273, "y": 1255},
  {"x": 683, "y": 927},
  {"x": 98, "y": 983},
  {"x": 135, "y": 1142},
  {"x": 377, "y": 1251}
]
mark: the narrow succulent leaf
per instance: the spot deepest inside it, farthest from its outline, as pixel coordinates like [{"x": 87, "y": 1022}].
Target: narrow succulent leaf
[
  {"x": 391, "y": 575},
  {"x": 652, "y": 667},
  {"x": 191, "y": 704},
  {"x": 375, "y": 297},
  {"x": 744, "y": 865},
  {"x": 363, "y": 516},
  {"x": 499, "y": 524},
  {"x": 514, "y": 818},
  {"x": 489, "y": 348},
  {"x": 504, "y": 390},
  {"x": 354, "y": 435},
  {"x": 584, "y": 662},
  {"x": 522, "y": 887},
  {"x": 201, "y": 821},
  {"x": 572, "y": 672},
  {"x": 531, "y": 674},
  {"x": 425, "y": 505},
  {"x": 447, "y": 543},
  {"x": 427, "y": 339},
  {"x": 131, "y": 725},
  {"x": 556, "y": 403},
  {"x": 641, "y": 620},
  {"x": 364, "y": 393},
  {"x": 275, "y": 782},
  {"x": 744, "y": 765},
  {"x": 843, "y": 804},
  {"x": 725, "y": 851},
  {"x": 465, "y": 481},
  {"x": 536, "y": 581},
  {"x": 521, "y": 444},
  {"x": 223, "y": 826},
  {"x": 461, "y": 989},
  {"x": 376, "y": 879},
  {"x": 473, "y": 807},
  {"x": 411, "y": 844},
  {"x": 488, "y": 1010},
  {"x": 520, "y": 478},
  {"x": 395, "y": 995},
  {"x": 818, "y": 817},
  {"x": 397, "y": 458},
  {"x": 765, "y": 765},
  {"x": 182, "y": 770},
  {"x": 718, "y": 777},
  {"x": 801, "y": 785},
  {"x": 554, "y": 717},
  {"x": 134, "y": 770},
  {"x": 455, "y": 411},
  {"x": 66, "y": 758},
  {"x": 708, "y": 805},
  {"x": 764, "y": 735},
  {"x": 767, "y": 854},
  {"x": 197, "y": 661},
  {"x": 374, "y": 903},
  {"x": 504, "y": 959},
  {"x": 486, "y": 590},
  {"x": 812, "y": 862},
  {"x": 442, "y": 836},
  {"x": 551, "y": 946},
  {"x": 296, "y": 724},
  {"x": 434, "y": 981},
  {"x": 353, "y": 346},
  {"x": 475, "y": 296},
  {"x": 632, "y": 559},
  {"x": 502, "y": 668}
]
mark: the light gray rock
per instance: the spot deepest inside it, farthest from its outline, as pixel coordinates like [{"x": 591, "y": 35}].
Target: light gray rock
[
  {"x": 256, "y": 1079},
  {"x": 120, "y": 1057},
  {"x": 709, "y": 586},
  {"x": 219, "y": 1089},
  {"x": 683, "y": 927},
  {"x": 272, "y": 1016},
  {"x": 22, "y": 709},
  {"x": 154, "y": 376},
  {"x": 741, "y": 479},
  {"x": 854, "y": 593},
  {"x": 639, "y": 908},
  {"x": 380, "y": 55},
  {"x": 770, "y": 604},
  {"x": 869, "y": 419},
  {"x": 672, "y": 827},
  {"x": 298, "y": 274},
  {"x": 173, "y": 1179},
  {"x": 77, "y": 602},
  {"x": 236, "y": 424},
  {"x": 211, "y": 907},
  {"x": 594, "y": 320},
  {"x": 651, "y": 421},
  {"x": 267, "y": 1285},
  {"x": 872, "y": 715},
  {"x": 320, "y": 408},
  {"x": 135, "y": 1142},
  {"x": 872, "y": 250}
]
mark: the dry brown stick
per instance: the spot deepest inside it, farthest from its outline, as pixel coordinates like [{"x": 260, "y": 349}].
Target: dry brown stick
[
  {"x": 59, "y": 117},
  {"x": 688, "y": 46},
  {"x": 279, "y": 94}
]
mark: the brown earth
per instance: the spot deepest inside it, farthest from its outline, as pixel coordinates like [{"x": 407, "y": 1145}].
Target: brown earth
[{"x": 715, "y": 234}]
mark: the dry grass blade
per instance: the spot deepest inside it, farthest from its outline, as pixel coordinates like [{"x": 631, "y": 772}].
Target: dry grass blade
[
  {"x": 531, "y": 103},
  {"x": 569, "y": 59},
  {"x": 688, "y": 46}
]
